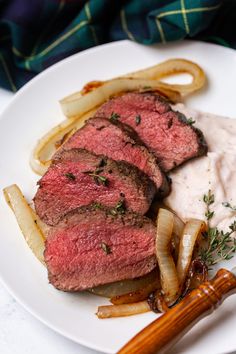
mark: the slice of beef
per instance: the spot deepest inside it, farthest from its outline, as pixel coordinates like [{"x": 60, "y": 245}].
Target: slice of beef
[
  {"x": 165, "y": 132},
  {"x": 90, "y": 246},
  {"x": 119, "y": 142},
  {"x": 78, "y": 177}
]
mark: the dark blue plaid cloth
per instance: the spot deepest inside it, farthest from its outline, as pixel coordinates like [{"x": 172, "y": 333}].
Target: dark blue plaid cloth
[{"x": 35, "y": 34}]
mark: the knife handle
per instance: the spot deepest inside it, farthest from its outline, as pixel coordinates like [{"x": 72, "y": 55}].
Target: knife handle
[{"x": 165, "y": 331}]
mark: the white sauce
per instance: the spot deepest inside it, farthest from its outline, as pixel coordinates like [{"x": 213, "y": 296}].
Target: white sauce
[{"x": 216, "y": 171}]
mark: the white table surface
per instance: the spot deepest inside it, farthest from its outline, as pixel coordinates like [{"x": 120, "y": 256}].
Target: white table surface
[{"x": 20, "y": 332}]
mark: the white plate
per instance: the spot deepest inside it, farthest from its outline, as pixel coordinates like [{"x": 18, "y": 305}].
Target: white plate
[{"x": 31, "y": 113}]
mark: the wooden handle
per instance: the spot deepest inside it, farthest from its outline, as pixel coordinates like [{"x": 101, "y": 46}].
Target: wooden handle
[{"x": 165, "y": 331}]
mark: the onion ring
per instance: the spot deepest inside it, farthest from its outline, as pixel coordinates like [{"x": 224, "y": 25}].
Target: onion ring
[{"x": 172, "y": 67}]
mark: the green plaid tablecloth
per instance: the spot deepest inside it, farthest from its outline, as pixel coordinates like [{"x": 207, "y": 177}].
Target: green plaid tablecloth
[{"x": 35, "y": 34}]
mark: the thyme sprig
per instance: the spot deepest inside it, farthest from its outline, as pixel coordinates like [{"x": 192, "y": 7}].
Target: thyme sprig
[{"x": 220, "y": 245}]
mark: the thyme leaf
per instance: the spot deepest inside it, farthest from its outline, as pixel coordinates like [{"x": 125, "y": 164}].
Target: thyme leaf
[
  {"x": 190, "y": 121},
  {"x": 209, "y": 214},
  {"x": 70, "y": 176},
  {"x": 97, "y": 205},
  {"x": 114, "y": 116},
  {"x": 228, "y": 205},
  {"x": 106, "y": 248},
  {"x": 138, "y": 119},
  {"x": 209, "y": 198},
  {"x": 119, "y": 208}
]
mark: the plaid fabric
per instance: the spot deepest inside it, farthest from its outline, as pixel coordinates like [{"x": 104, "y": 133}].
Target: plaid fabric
[{"x": 35, "y": 34}]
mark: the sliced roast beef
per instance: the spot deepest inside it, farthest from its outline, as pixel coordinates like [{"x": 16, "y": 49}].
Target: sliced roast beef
[
  {"x": 168, "y": 134},
  {"x": 93, "y": 245},
  {"x": 78, "y": 177},
  {"x": 119, "y": 142}
]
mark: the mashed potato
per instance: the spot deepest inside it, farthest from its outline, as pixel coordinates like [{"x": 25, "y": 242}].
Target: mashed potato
[{"x": 216, "y": 171}]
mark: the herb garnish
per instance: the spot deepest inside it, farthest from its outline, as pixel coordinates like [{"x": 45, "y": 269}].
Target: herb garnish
[
  {"x": 221, "y": 245},
  {"x": 190, "y": 121},
  {"x": 209, "y": 199},
  {"x": 114, "y": 116},
  {"x": 97, "y": 205},
  {"x": 119, "y": 208},
  {"x": 99, "y": 179},
  {"x": 147, "y": 87},
  {"x": 105, "y": 248},
  {"x": 138, "y": 119},
  {"x": 70, "y": 176},
  {"x": 228, "y": 205}
]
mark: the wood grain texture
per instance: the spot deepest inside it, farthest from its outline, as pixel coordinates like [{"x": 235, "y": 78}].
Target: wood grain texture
[{"x": 165, "y": 331}]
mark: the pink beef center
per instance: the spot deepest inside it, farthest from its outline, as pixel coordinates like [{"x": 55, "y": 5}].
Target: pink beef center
[
  {"x": 169, "y": 138},
  {"x": 84, "y": 190},
  {"x": 112, "y": 146},
  {"x": 78, "y": 251}
]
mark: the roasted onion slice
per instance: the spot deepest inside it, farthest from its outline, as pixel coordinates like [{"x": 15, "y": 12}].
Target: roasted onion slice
[
  {"x": 190, "y": 234},
  {"x": 136, "y": 296},
  {"x": 172, "y": 67},
  {"x": 78, "y": 104},
  {"x": 168, "y": 272},
  {"x": 26, "y": 220},
  {"x": 126, "y": 286},
  {"x": 48, "y": 144},
  {"x": 123, "y": 310}
]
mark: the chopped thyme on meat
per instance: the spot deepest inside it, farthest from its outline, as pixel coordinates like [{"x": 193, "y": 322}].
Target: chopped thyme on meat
[
  {"x": 114, "y": 116},
  {"x": 99, "y": 179},
  {"x": 70, "y": 176},
  {"x": 138, "y": 119},
  {"x": 190, "y": 121},
  {"x": 105, "y": 248},
  {"x": 119, "y": 208}
]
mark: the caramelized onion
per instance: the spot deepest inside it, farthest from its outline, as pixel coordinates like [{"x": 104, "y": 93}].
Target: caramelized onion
[
  {"x": 46, "y": 146},
  {"x": 125, "y": 286},
  {"x": 177, "y": 232},
  {"x": 122, "y": 310},
  {"x": 172, "y": 67},
  {"x": 26, "y": 220},
  {"x": 168, "y": 273},
  {"x": 157, "y": 302},
  {"x": 188, "y": 240},
  {"x": 78, "y": 104},
  {"x": 198, "y": 274},
  {"x": 178, "y": 226},
  {"x": 136, "y": 296}
]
